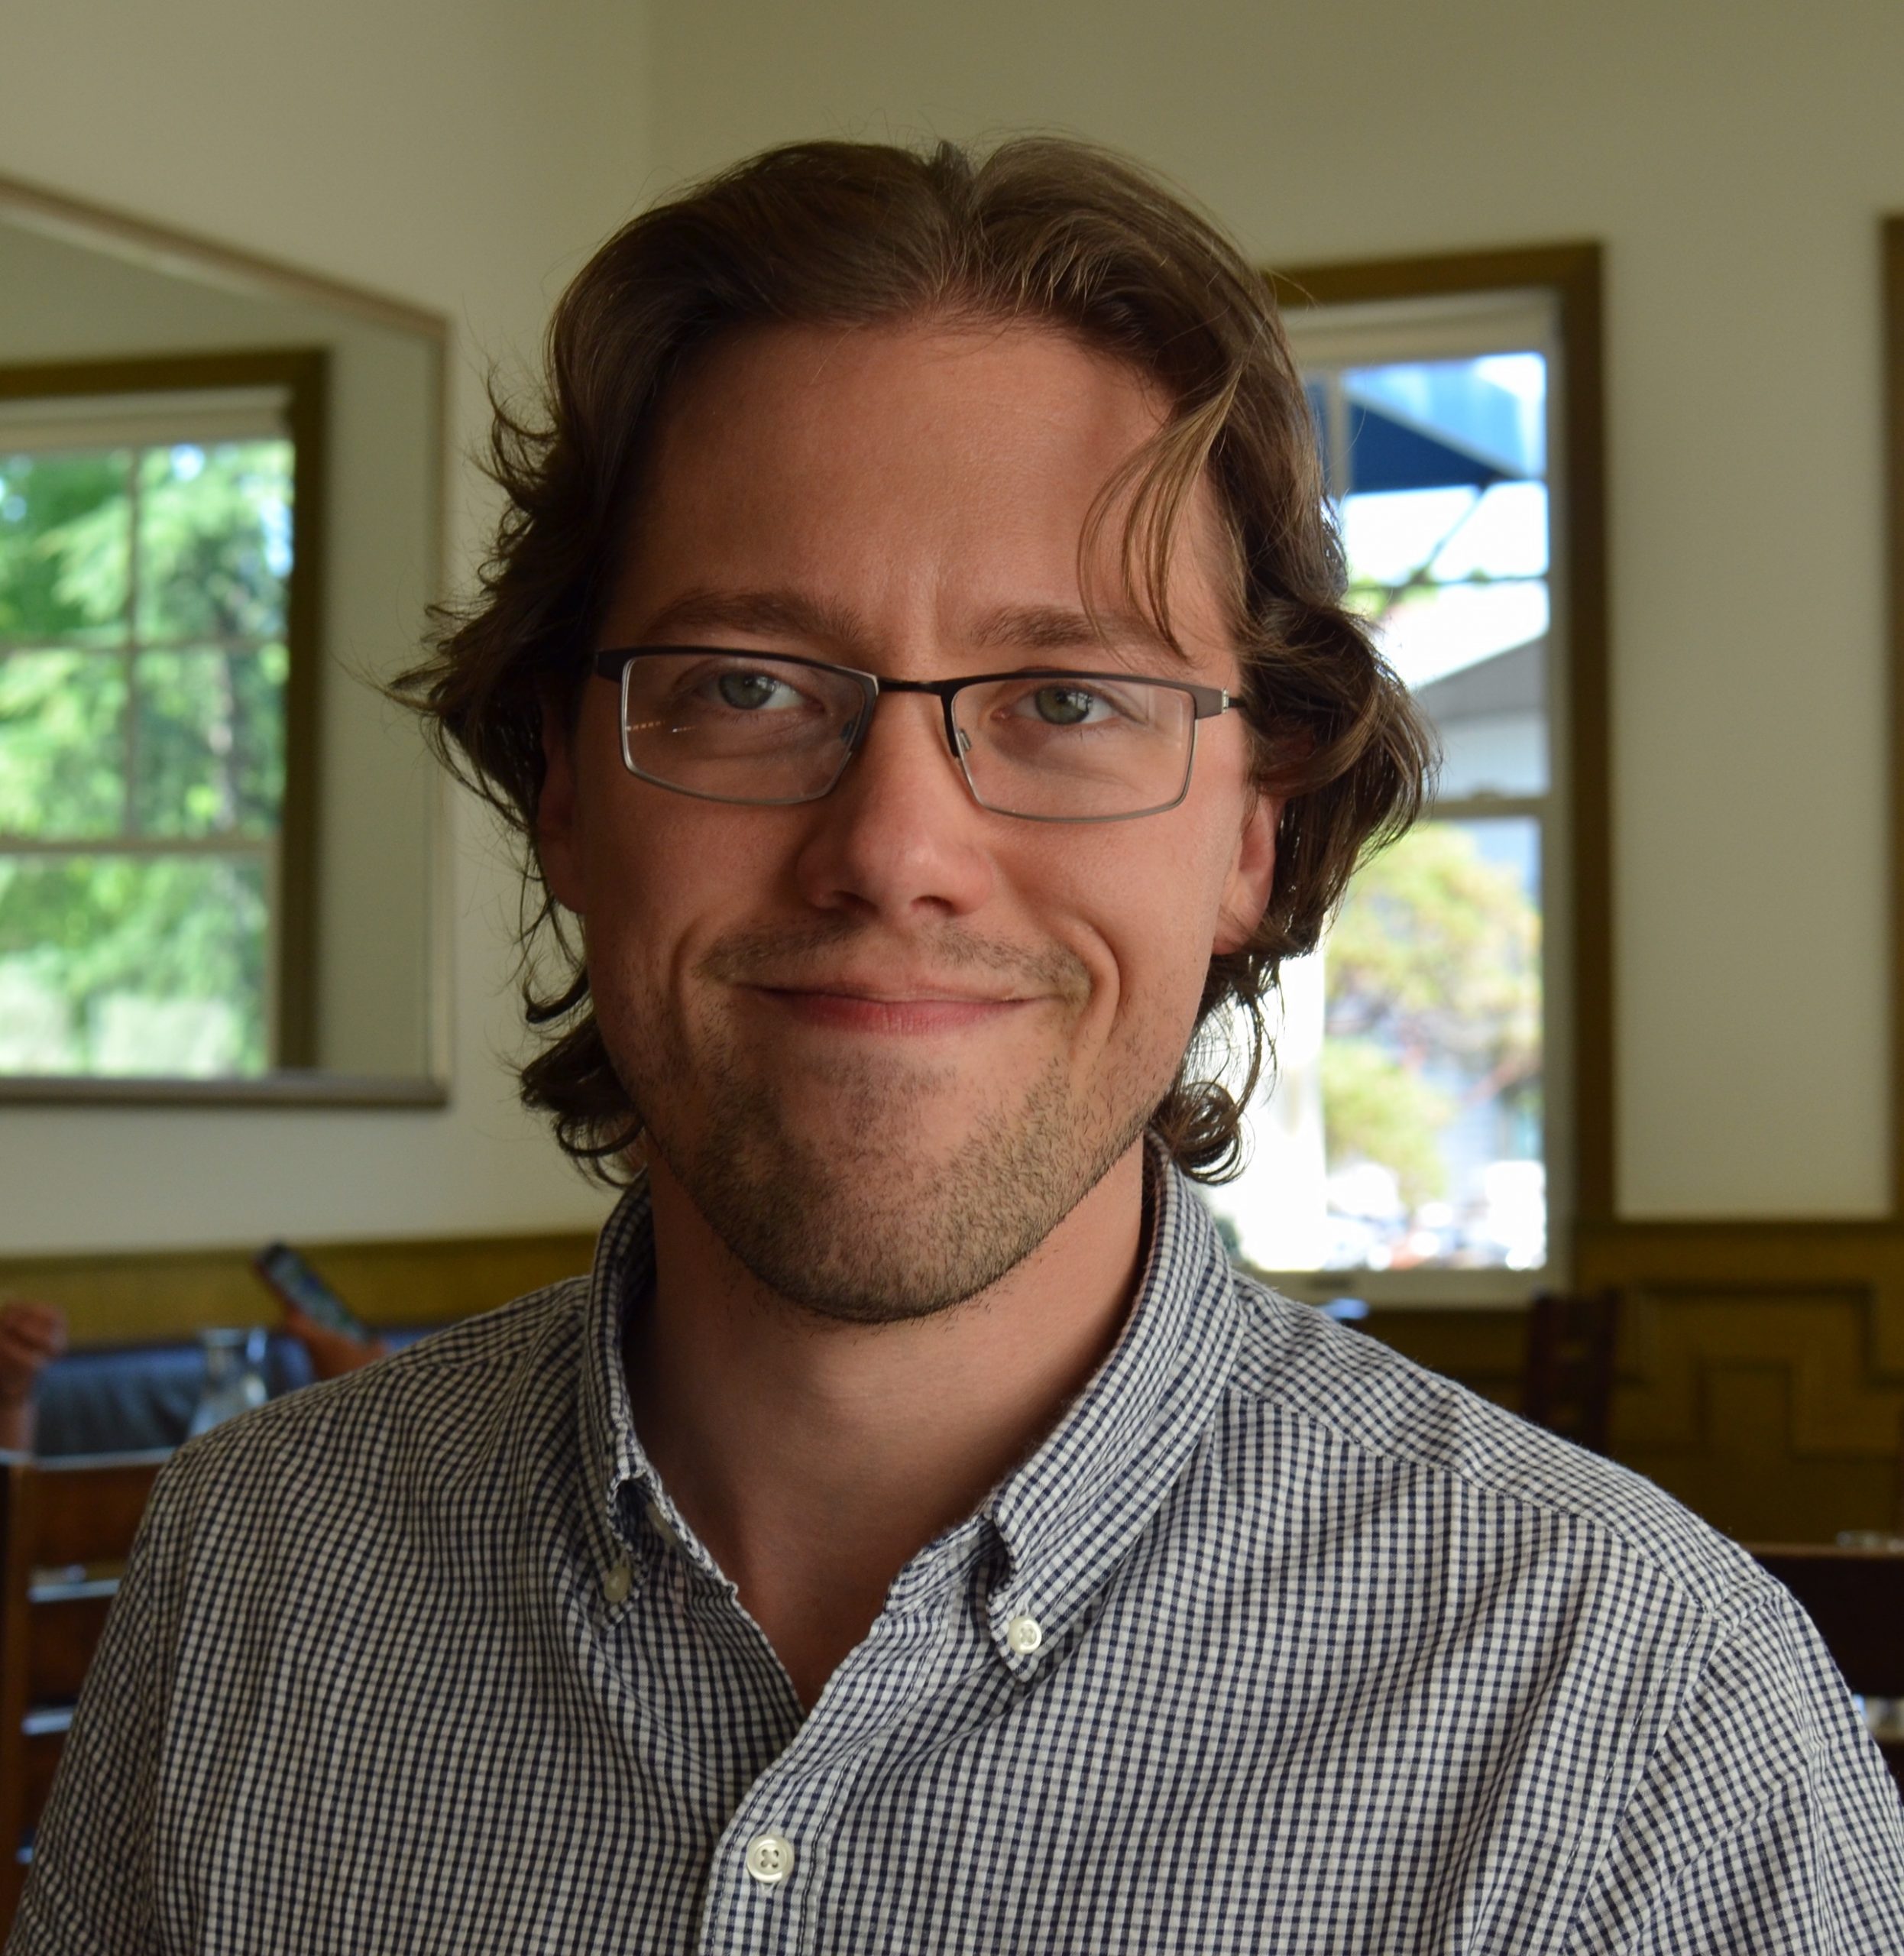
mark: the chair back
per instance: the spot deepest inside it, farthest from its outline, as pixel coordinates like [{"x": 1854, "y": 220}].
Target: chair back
[
  {"x": 67, "y": 1527},
  {"x": 1566, "y": 1384},
  {"x": 1856, "y": 1597}
]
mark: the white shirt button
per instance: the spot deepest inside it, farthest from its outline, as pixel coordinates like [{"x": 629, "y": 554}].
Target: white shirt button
[
  {"x": 769, "y": 1858},
  {"x": 661, "y": 1528},
  {"x": 1024, "y": 1634},
  {"x": 615, "y": 1582}
]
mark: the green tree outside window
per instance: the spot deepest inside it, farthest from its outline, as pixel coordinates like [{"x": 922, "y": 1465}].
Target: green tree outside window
[{"x": 143, "y": 670}]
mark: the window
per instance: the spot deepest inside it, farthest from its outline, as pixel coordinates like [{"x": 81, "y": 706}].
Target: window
[
  {"x": 1425, "y": 1118},
  {"x": 153, "y": 626}
]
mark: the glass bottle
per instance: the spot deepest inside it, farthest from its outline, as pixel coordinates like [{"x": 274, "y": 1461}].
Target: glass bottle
[{"x": 234, "y": 1376}]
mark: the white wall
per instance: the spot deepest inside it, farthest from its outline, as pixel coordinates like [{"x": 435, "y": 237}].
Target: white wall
[
  {"x": 463, "y": 157},
  {"x": 1734, "y": 160}
]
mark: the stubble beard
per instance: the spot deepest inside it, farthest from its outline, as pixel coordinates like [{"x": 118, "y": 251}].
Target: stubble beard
[{"x": 872, "y": 1221}]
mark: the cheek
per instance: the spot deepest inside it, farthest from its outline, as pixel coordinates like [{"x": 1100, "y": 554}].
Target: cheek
[
  {"x": 668, "y": 877},
  {"x": 1145, "y": 936},
  {"x": 641, "y": 909}
]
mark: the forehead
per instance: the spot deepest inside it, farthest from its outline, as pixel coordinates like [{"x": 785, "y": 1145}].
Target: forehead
[
  {"x": 927, "y": 466},
  {"x": 915, "y": 373}
]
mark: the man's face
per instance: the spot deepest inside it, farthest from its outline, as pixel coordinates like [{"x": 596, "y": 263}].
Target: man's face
[{"x": 884, "y": 1042}]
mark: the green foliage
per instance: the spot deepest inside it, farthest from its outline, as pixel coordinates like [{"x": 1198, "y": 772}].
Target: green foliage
[
  {"x": 210, "y": 742},
  {"x": 90, "y": 930},
  {"x": 210, "y": 521},
  {"x": 97, "y": 943},
  {"x": 1434, "y": 962},
  {"x": 65, "y": 538},
  {"x": 1437, "y": 951},
  {"x": 1375, "y": 1110},
  {"x": 63, "y": 570},
  {"x": 62, "y": 748}
]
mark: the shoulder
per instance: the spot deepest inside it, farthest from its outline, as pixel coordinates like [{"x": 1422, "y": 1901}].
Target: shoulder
[
  {"x": 1348, "y": 1402},
  {"x": 457, "y": 1404}
]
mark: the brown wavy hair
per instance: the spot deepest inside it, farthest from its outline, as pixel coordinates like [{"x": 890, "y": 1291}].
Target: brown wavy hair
[{"x": 1039, "y": 230}]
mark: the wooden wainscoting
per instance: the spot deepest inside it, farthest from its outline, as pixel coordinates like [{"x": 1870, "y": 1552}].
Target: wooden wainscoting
[
  {"x": 158, "y": 1294},
  {"x": 1483, "y": 1348},
  {"x": 1761, "y": 1366},
  {"x": 1762, "y": 1369}
]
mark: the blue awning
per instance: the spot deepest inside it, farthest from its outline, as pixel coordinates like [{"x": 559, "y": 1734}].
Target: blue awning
[
  {"x": 1433, "y": 425},
  {"x": 1386, "y": 454}
]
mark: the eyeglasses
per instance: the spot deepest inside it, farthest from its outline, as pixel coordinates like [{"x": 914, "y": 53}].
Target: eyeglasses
[{"x": 772, "y": 730}]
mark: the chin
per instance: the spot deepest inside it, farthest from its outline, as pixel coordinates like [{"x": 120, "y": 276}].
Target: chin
[{"x": 869, "y": 1205}]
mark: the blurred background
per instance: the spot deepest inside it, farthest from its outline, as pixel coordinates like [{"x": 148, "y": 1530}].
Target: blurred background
[{"x": 1597, "y": 349}]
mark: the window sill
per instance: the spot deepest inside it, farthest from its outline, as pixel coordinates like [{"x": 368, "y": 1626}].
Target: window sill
[{"x": 288, "y": 1089}]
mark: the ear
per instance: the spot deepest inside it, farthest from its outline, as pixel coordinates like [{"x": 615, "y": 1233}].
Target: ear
[
  {"x": 1252, "y": 871},
  {"x": 557, "y": 830}
]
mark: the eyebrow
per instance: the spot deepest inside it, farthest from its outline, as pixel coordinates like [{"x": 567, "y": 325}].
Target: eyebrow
[
  {"x": 795, "y": 614},
  {"x": 1062, "y": 628},
  {"x": 762, "y": 613}
]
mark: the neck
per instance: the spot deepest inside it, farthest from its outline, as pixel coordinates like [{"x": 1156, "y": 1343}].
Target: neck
[{"x": 814, "y": 1458}]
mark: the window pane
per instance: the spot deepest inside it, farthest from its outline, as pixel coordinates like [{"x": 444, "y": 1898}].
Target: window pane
[
  {"x": 214, "y": 540},
  {"x": 1405, "y": 1124},
  {"x": 210, "y": 741},
  {"x": 62, "y": 744},
  {"x": 125, "y": 965},
  {"x": 1489, "y": 413},
  {"x": 1409, "y": 1127},
  {"x": 1445, "y": 521},
  {"x": 1431, "y": 1056},
  {"x": 1492, "y": 718},
  {"x": 65, "y": 531}
]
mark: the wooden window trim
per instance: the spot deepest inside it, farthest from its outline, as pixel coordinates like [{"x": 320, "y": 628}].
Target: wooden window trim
[
  {"x": 1891, "y": 272},
  {"x": 303, "y": 372}
]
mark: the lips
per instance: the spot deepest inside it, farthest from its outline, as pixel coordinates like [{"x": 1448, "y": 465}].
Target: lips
[
  {"x": 952, "y": 969},
  {"x": 913, "y": 1012},
  {"x": 890, "y": 991}
]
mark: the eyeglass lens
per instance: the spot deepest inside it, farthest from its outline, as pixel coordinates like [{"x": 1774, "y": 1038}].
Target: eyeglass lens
[{"x": 735, "y": 727}]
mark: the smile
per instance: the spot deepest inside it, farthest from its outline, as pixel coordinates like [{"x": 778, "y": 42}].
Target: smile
[{"x": 911, "y": 1016}]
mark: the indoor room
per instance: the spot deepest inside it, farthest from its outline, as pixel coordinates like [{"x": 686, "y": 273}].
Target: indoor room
[{"x": 1588, "y": 1098}]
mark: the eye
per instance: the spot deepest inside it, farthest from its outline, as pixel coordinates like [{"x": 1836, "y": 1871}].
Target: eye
[
  {"x": 1067, "y": 706},
  {"x": 749, "y": 690}
]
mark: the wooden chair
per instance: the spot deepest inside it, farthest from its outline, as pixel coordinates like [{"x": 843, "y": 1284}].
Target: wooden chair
[
  {"x": 1856, "y": 1597},
  {"x": 1566, "y": 1383},
  {"x": 67, "y": 1526}
]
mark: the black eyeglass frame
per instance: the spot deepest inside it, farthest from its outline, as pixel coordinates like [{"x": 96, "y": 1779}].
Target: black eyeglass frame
[{"x": 1206, "y": 702}]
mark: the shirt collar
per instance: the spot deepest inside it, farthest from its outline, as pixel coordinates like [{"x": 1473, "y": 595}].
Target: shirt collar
[
  {"x": 1066, "y": 1516},
  {"x": 619, "y": 1475},
  {"x": 1071, "y": 1512}
]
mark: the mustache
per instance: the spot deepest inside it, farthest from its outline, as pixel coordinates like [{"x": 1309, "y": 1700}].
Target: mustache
[{"x": 786, "y": 957}]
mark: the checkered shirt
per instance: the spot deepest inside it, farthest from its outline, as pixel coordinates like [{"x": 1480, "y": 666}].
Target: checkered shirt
[{"x": 1330, "y": 1655}]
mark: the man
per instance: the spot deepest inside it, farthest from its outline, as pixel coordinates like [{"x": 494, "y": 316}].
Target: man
[{"x": 913, "y": 650}]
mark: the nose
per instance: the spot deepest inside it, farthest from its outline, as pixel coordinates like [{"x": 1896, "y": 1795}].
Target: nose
[{"x": 900, "y": 838}]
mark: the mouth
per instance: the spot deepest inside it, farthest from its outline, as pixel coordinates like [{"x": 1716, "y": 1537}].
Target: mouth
[{"x": 904, "y": 1012}]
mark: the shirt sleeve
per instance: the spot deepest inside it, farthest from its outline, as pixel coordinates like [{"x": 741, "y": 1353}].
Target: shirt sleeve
[
  {"x": 1766, "y": 1819},
  {"x": 91, "y": 1888}
]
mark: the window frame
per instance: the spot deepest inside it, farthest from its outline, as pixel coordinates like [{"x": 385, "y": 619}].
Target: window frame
[
  {"x": 1891, "y": 282},
  {"x": 302, "y": 374},
  {"x": 1577, "y": 894}
]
